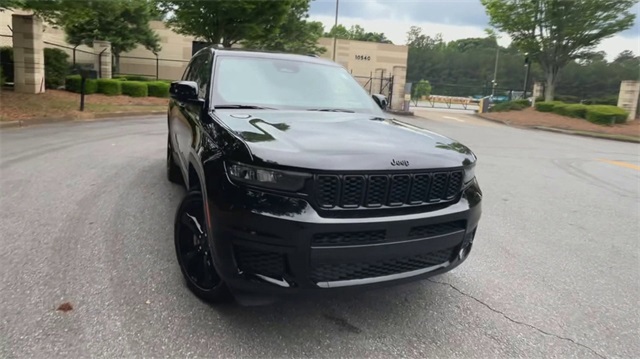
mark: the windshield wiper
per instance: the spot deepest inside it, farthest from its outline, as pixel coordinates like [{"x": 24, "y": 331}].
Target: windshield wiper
[
  {"x": 243, "y": 107},
  {"x": 330, "y": 110}
]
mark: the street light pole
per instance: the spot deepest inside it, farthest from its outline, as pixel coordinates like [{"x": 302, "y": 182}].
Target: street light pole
[
  {"x": 335, "y": 31},
  {"x": 527, "y": 64},
  {"x": 495, "y": 72}
]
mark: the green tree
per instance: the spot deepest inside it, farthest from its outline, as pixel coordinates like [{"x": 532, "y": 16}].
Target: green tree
[
  {"x": 295, "y": 35},
  {"x": 420, "y": 89},
  {"x": 227, "y": 22},
  {"x": 555, "y": 32},
  {"x": 358, "y": 33},
  {"x": 10, "y": 4},
  {"x": 124, "y": 23}
]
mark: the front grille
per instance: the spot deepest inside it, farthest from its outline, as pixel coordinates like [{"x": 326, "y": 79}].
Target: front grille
[
  {"x": 371, "y": 191},
  {"x": 361, "y": 270},
  {"x": 348, "y": 238},
  {"x": 439, "y": 229},
  {"x": 258, "y": 261}
]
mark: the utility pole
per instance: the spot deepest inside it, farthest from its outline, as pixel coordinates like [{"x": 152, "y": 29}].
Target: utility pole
[
  {"x": 335, "y": 28},
  {"x": 495, "y": 72},
  {"x": 527, "y": 65}
]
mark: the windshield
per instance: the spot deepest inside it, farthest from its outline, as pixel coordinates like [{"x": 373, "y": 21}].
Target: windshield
[{"x": 287, "y": 84}]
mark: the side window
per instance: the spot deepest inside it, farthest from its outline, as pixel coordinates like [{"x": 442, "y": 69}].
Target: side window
[
  {"x": 194, "y": 66},
  {"x": 203, "y": 74},
  {"x": 185, "y": 75}
]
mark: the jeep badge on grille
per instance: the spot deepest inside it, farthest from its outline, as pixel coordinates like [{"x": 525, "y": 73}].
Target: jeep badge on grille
[{"x": 404, "y": 163}]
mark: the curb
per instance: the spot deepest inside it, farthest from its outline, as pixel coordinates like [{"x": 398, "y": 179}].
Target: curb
[
  {"x": 89, "y": 118},
  {"x": 585, "y": 134},
  {"x": 400, "y": 112},
  {"x": 566, "y": 132}
]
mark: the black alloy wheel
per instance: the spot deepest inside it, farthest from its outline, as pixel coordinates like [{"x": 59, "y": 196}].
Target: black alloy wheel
[{"x": 193, "y": 250}]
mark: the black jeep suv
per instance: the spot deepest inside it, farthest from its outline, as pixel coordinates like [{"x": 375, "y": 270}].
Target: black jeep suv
[{"x": 299, "y": 182}]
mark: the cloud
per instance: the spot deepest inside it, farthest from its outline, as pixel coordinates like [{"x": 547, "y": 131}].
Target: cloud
[
  {"x": 454, "y": 19},
  {"x": 452, "y": 12}
]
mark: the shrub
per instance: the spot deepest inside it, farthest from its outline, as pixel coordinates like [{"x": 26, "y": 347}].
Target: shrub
[
  {"x": 567, "y": 98},
  {"x": 109, "y": 87},
  {"x": 545, "y": 106},
  {"x": 158, "y": 89},
  {"x": 6, "y": 62},
  {"x": 56, "y": 67},
  {"x": 559, "y": 108},
  {"x": 73, "y": 83},
  {"x": 576, "y": 110},
  {"x": 137, "y": 78},
  {"x": 605, "y": 114},
  {"x": 509, "y": 106},
  {"x": 119, "y": 78},
  {"x": 134, "y": 88},
  {"x": 609, "y": 100},
  {"x": 1, "y": 77},
  {"x": 523, "y": 102}
]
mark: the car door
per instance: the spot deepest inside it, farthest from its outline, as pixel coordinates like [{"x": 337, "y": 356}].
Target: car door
[
  {"x": 191, "y": 125},
  {"x": 177, "y": 121},
  {"x": 182, "y": 120}
]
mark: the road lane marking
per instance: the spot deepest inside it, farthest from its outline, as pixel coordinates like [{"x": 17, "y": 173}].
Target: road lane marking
[
  {"x": 622, "y": 164},
  {"x": 453, "y": 118}
]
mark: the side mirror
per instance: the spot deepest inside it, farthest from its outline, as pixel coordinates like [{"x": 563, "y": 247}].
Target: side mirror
[
  {"x": 381, "y": 101},
  {"x": 184, "y": 91}
]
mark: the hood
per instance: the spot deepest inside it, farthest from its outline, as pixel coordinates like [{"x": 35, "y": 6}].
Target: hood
[{"x": 341, "y": 141}]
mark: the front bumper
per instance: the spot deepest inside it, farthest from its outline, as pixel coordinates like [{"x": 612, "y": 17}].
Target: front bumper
[{"x": 276, "y": 245}]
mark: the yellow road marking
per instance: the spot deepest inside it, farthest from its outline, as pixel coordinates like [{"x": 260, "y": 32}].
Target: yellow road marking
[{"x": 622, "y": 164}]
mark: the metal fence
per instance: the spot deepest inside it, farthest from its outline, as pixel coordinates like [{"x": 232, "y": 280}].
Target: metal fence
[{"x": 376, "y": 85}]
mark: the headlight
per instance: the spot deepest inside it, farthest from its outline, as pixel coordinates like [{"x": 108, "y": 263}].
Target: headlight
[
  {"x": 469, "y": 173},
  {"x": 261, "y": 177}
]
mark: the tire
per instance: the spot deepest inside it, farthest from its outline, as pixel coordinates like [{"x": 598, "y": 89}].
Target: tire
[
  {"x": 173, "y": 171},
  {"x": 193, "y": 251}
]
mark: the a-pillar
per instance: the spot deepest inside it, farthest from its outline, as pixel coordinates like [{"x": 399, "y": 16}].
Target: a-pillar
[
  {"x": 102, "y": 50},
  {"x": 28, "y": 54},
  {"x": 399, "y": 79}
]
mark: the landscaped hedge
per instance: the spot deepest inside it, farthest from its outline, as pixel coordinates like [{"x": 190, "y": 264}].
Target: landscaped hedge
[
  {"x": 509, "y": 106},
  {"x": 600, "y": 114},
  {"x": 109, "y": 87},
  {"x": 545, "y": 106},
  {"x": 56, "y": 67},
  {"x": 559, "y": 108},
  {"x": 576, "y": 110},
  {"x": 158, "y": 89},
  {"x": 137, "y": 78},
  {"x": 134, "y": 88},
  {"x": 605, "y": 114},
  {"x": 73, "y": 83}
]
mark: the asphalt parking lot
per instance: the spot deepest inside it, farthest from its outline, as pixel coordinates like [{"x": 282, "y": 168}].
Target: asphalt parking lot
[{"x": 87, "y": 218}]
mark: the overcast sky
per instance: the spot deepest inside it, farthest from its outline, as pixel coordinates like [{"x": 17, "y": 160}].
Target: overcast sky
[{"x": 455, "y": 19}]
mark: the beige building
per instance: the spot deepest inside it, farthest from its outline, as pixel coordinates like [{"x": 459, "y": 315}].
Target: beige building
[{"x": 372, "y": 64}]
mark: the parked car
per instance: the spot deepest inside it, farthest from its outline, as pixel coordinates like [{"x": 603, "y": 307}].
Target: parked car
[{"x": 299, "y": 182}]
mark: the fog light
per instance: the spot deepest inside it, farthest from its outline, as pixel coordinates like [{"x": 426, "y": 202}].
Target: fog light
[{"x": 464, "y": 251}]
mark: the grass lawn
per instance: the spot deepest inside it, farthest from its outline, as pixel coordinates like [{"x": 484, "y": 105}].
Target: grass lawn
[{"x": 63, "y": 104}]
